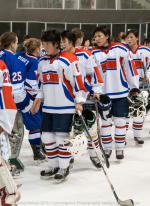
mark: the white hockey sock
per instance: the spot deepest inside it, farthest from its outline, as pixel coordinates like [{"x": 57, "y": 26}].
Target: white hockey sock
[
  {"x": 91, "y": 149},
  {"x": 127, "y": 123},
  {"x": 106, "y": 134},
  {"x": 120, "y": 132},
  {"x": 64, "y": 155},
  {"x": 137, "y": 126},
  {"x": 51, "y": 148}
]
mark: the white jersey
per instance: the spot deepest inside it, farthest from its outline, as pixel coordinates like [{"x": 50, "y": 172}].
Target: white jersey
[
  {"x": 119, "y": 72},
  {"x": 141, "y": 58},
  {"x": 61, "y": 83},
  {"x": 89, "y": 70}
]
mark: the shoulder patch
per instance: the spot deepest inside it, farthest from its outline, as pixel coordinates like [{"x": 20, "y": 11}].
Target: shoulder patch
[{"x": 68, "y": 56}]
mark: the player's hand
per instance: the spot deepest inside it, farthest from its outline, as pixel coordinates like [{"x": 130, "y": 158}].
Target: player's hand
[
  {"x": 1, "y": 130},
  {"x": 96, "y": 95},
  {"x": 36, "y": 106},
  {"x": 79, "y": 107},
  {"x": 134, "y": 92},
  {"x": 146, "y": 79}
]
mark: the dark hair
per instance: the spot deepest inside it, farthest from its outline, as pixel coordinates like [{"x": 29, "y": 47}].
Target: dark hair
[
  {"x": 103, "y": 29},
  {"x": 135, "y": 32},
  {"x": 6, "y": 39},
  {"x": 146, "y": 41},
  {"x": 69, "y": 35},
  {"x": 52, "y": 36}
]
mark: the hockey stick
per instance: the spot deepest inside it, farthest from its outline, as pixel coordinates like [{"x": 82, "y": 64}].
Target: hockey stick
[
  {"x": 120, "y": 202},
  {"x": 99, "y": 136}
]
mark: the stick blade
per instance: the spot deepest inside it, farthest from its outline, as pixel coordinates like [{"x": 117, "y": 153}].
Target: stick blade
[{"x": 126, "y": 202}]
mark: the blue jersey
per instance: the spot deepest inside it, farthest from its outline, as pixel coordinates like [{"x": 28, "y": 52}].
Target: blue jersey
[
  {"x": 29, "y": 65},
  {"x": 9, "y": 58},
  {"x": 27, "y": 70},
  {"x": 22, "y": 69},
  {"x": 16, "y": 69}
]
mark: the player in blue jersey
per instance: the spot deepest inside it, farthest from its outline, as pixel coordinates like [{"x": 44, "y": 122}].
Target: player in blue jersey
[
  {"x": 28, "y": 61},
  {"x": 23, "y": 78}
]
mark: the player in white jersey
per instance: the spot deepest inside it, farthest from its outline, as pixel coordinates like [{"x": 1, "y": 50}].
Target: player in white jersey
[
  {"x": 62, "y": 91},
  {"x": 90, "y": 74},
  {"x": 141, "y": 56},
  {"x": 119, "y": 75}
]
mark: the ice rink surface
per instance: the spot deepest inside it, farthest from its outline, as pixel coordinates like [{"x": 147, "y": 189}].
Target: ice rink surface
[{"x": 88, "y": 186}]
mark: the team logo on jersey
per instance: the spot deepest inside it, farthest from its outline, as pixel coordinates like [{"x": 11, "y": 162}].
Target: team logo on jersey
[{"x": 48, "y": 77}]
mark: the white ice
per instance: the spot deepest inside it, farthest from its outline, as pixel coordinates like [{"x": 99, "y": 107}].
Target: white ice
[{"x": 88, "y": 186}]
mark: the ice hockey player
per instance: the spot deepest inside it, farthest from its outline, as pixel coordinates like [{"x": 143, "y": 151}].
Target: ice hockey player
[
  {"x": 62, "y": 93},
  {"x": 79, "y": 34},
  {"x": 91, "y": 77},
  {"x": 119, "y": 74},
  {"x": 9, "y": 194},
  {"x": 141, "y": 56},
  {"x": 22, "y": 80},
  {"x": 27, "y": 68}
]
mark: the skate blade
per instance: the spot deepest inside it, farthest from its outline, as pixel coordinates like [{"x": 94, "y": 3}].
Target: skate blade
[
  {"x": 47, "y": 178},
  {"x": 15, "y": 174},
  {"x": 60, "y": 181},
  {"x": 39, "y": 162},
  {"x": 138, "y": 145}
]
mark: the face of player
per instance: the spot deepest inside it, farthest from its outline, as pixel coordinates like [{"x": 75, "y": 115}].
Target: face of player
[
  {"x": 132, "y": 39},
  {"x": 50, "y": 48},
  {"x": 13, "y": 46},
  {"x": 66, "y": 45},
  {"x": 87, "y": 43},
  {"x": 79, "y": 42},
  {"x": 101, "y": 39},
  {"x": 37, "y": 51}
]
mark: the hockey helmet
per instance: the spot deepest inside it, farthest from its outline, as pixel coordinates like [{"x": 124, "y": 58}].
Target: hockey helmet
[{"x": 104, "y": 107}]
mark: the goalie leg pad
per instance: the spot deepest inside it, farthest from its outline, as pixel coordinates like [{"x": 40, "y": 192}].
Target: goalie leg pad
[
  {"x": 5, "y": 146},
  {"x": 9, "y": 194}
]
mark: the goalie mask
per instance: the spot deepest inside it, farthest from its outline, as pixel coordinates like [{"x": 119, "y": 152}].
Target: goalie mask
[
  {"x": 137, "y": 104},
  {"x": 104, "y": 107},
  {"x": 89, "y": 118}
]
